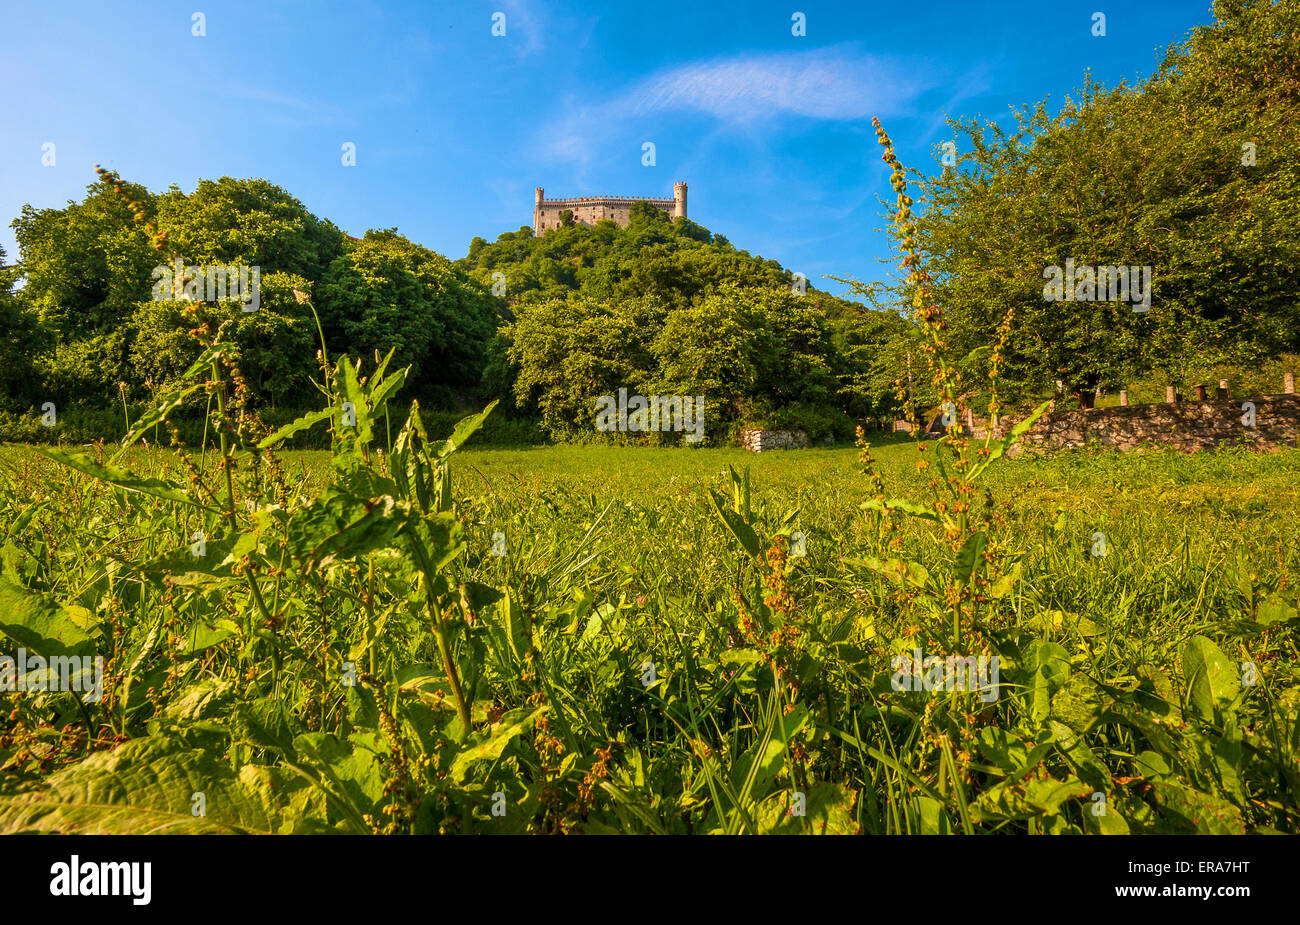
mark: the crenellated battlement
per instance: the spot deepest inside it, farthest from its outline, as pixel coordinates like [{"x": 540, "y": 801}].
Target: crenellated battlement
[
  {"x": 589, "y": 210},
  {"x": 597, "y": 200}
]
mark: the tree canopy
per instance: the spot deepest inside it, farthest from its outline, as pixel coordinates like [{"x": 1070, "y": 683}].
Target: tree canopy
[
  {"x": 89, "y": 279},
  {"x": 1192, "y": 174}
]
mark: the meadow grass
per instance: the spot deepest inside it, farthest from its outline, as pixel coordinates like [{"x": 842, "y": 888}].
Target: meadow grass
[{"x": 630, "y": 666}]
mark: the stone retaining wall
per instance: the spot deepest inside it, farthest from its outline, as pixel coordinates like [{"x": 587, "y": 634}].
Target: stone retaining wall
[
  {"x": 758, "y": 441},
  {"x": 1189, "y": 426}
]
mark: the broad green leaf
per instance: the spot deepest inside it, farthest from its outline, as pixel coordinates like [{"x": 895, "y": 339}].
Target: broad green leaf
[
  {"x": 203, "y": 365},
  {"x": 22, "y": 520},
  {"x": 147, "y": 786},
  {"x": 155, "y": 415},
  {"x": 339, "y": 525},
  {"x": 386, "y": 385},
  {"x": 43, "y": 625},
  {"x": 1048, "y": 794},
  {"x": 755, "y": 770},
  {"x": 1005, "y": 582},
  {"x": 998, "y": 450},
  {"x": 350, "y": 773},
  {"x": 736, "y": 525},
  {"x": 971, "y": 557},
  {"x": 1023, "y": 427},
  {"x": 125, "y": 479},
  {"x": 201, "y": 700},
  {"x": 1275, "y": 608},
  {"x": 463, "y": 431},
  {"x": 490, "y": 743},
  {"x": 354, "y": 430},
  {"x": 932, "y": 817},
  {"x": 1017, "y": 799},
  {"x": 409, "y": 463},
  {"x": 1001, "y": 748},
  {"x": 909, "y": 508},
  {"x": 1089, "y": 767},
  {"x": 1055, "y": 621},
  {"x": 1194, "y": 810},
  {"x": 267, "y": 723},
  {"x": 204, "y": 635},
  {"x": 1152, "y": 765},
  {"x": 899, "y": 570},
  {"x": 1048, "y": 667},
  {"x": 352, "y": 392},
  {"x": 1112, "y": 823},
  {"x": 740, "y": 493},
  {"x": 216, "y": 559},
  {"x": 305, "y": 422},
  {"x": 1213, "y": 682},
  {"x": 515, "y": 623}
]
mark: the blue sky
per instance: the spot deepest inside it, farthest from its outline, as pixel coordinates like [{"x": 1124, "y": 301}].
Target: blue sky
[{"x": 454, "y": 127}]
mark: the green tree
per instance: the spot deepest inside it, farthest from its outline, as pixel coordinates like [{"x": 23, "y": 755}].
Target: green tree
[
  {"x": 568, "y": 353},
  {"x": 276, "y": 344},
  {"x": 388, "y": 292},
  {"x": 758, "y": 356},
  {"x": 371, "y": 300},
  {"x": 21, "y": 338},
  {"x": 248, "y": 222},
  {"x": 872, "y": 354},
  {"x": 1149, "y": 176},
  {"x": 85, "y": 265}
]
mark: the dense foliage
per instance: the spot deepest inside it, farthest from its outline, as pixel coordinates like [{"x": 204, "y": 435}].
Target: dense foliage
[
  {"x": 20, "y": 340},
  {"x": 611, "y": 640},
  {"x": 89, "y": 289},
  {"x": 646, "y": 305},
  {"x": 1193, "y": 174},
  {"x": 752, "y": 356}
]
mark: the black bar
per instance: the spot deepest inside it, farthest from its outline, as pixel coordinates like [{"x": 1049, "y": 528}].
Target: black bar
[{"x": 499, "y": 874}]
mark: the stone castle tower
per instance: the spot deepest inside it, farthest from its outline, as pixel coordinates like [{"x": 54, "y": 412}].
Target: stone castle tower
[{"x": 592, "y": 209}]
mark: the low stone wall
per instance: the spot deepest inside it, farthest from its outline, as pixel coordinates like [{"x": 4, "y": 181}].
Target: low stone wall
[
  {"x": 758, "y": 441},
  {"x": 1189, "y": 426}
]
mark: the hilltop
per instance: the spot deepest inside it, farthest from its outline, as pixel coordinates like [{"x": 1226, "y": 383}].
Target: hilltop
[
  {"x": 678, "y": 261},
  {"x": 670, "y": 308}
]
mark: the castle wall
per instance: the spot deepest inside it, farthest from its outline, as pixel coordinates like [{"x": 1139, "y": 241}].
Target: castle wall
[
  {"x": 593, "y": 209},
  {"x": 548, "y": 216}
]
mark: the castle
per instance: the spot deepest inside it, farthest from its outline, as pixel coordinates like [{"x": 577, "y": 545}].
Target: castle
[{"x": 592, "y": 209}]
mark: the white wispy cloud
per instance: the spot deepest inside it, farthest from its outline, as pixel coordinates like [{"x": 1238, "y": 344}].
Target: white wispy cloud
[
  {"x": 526, "y": 27},
  {"x": 834, "y": 84},
  {"x": 743, "y": 91}
]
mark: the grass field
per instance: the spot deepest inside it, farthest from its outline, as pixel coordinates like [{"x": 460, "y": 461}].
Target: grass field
[{"x": 635, "y": 643}]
